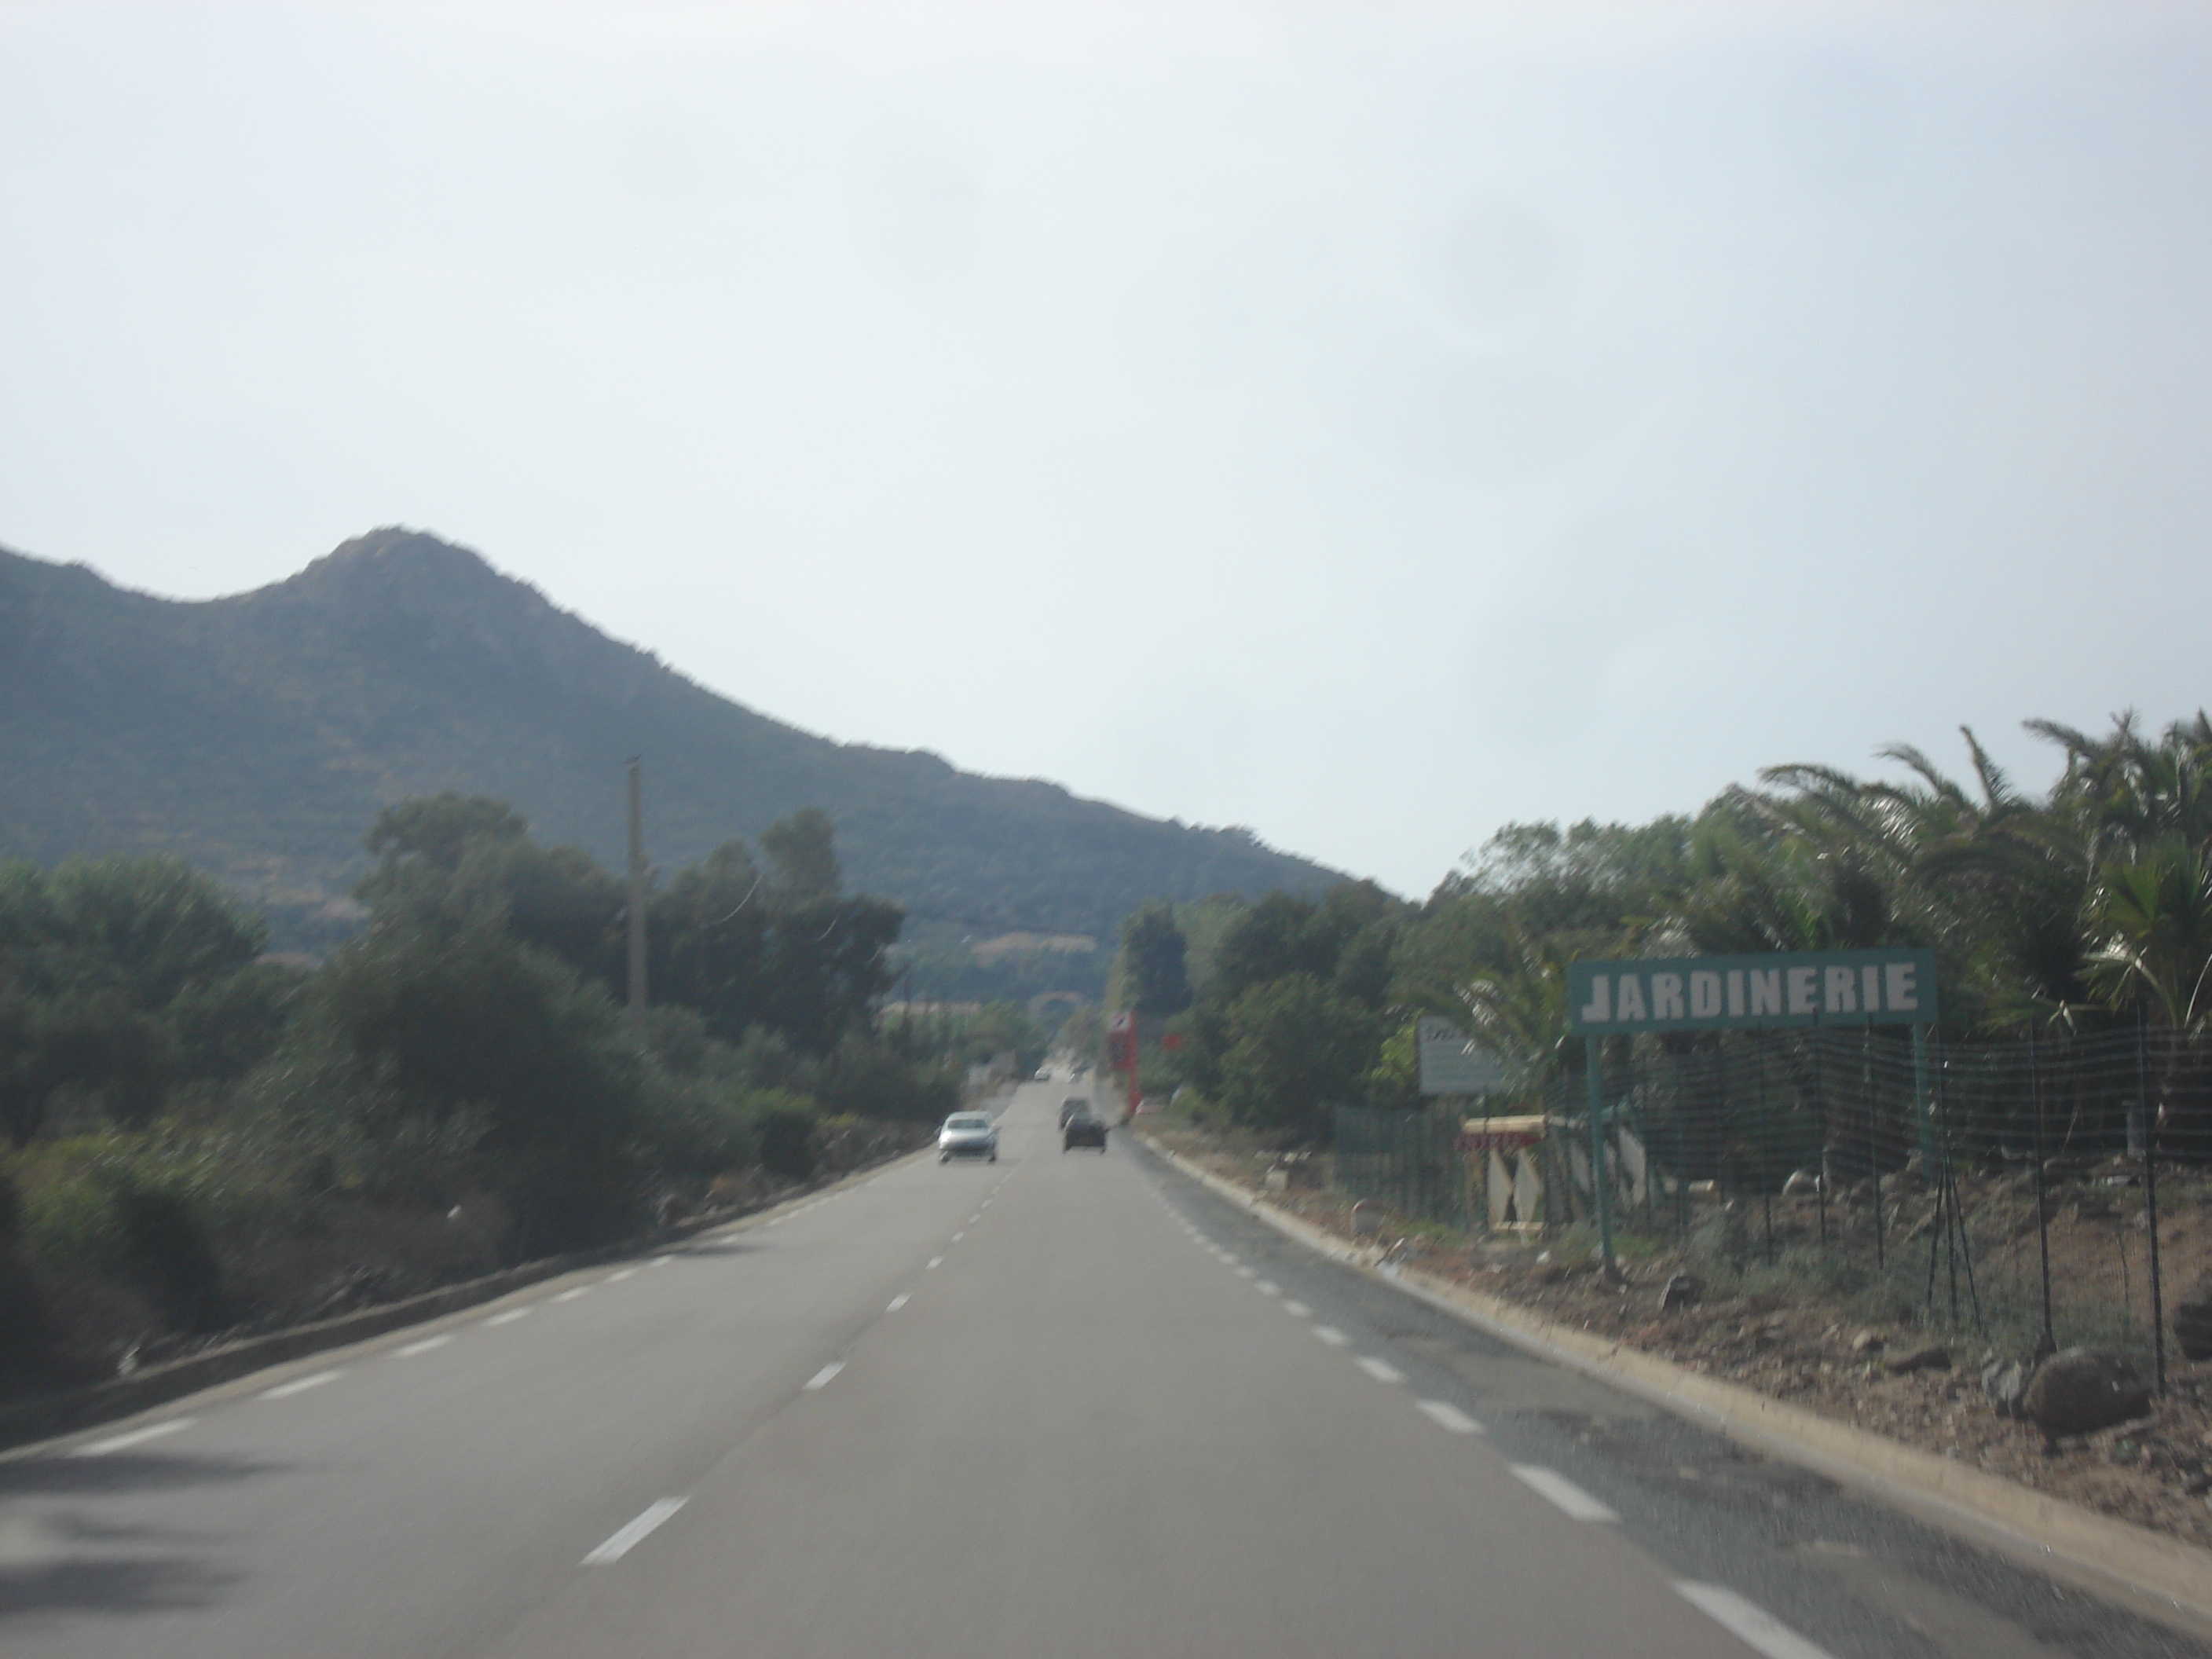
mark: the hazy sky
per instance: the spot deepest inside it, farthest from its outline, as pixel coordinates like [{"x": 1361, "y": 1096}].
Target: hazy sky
[{"x": 1367, "y": 423}]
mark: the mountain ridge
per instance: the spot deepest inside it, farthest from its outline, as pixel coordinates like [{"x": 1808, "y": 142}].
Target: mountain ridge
[{"x": 257, "y": 733}]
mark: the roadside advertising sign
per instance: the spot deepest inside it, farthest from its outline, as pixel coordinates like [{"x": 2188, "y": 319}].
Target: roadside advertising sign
[
  {"x": 1723, "y": 994},
  {"x": 1451, "y": 1064}
]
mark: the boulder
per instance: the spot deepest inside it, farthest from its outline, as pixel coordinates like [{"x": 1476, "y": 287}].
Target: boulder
[
  {"x": 1932, "y": 1357},
  {"x": 2081, "y": 1390},
  {"x": 2192, "y": 1321},
  {"x": 1680, "y": 1291},
  {"x": 2005, "y": 1382}
]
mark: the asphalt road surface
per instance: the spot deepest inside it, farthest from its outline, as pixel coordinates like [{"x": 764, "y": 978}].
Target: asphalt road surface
[{"x": 1064, "y": 1404}]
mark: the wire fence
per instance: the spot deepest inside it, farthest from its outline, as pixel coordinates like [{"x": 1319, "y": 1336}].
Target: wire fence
[{"x": 2013, "y": 1190}]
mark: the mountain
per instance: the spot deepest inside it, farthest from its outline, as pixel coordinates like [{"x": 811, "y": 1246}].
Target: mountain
[{"x": 258, "y": 734}]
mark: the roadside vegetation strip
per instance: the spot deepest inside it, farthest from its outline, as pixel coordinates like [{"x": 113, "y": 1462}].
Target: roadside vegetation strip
[
  {"x": 1752, "y": 1625},
  {"x": 47, "y": 1416},
  {"x": 2093, "y": 1551}
]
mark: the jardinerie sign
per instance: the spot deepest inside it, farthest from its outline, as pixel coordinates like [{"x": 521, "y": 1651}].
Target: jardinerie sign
[{"x": 1718, "y": 993}]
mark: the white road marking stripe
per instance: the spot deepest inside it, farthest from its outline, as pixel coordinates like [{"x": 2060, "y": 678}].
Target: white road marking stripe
[
  {"x": 1296, "y": 1309},
  {"x": 509, "y": 1317},
  {"x": 635, "y": 1533},
  {"x": 570, "y": 1296},
  {"x": 617, "y": 1278},
  {"x": 423, "y": 1346},
  {"x": 897, "y": 1302},
  {"x": 1381, "y": 1370},
  {"x": 1750, "y": 1625},
  {"x": 116, "y": 1442},
  {"x": 1268, "y": 1287},
  {"x": 1243, "y": 1271},
  {"x": 662, "y": 1260},
  {"x": 962, "y": 1234},
  {"x": 821, "y": 1378},
  {"x": 1450, "y": 1416},
  {"x": 975, "y": 1217},
  {"x": 1564, "y": 1493},
  {"x": 933, "y": 1261},
  {"x": 300, "y": 1385},
  {"x": 1330, "y": 1335}
]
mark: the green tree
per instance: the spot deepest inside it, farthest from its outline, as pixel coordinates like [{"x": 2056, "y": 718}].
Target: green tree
[
  {"x": 1295, "y": 1049},
  {"x": 1153, "y": 945}
]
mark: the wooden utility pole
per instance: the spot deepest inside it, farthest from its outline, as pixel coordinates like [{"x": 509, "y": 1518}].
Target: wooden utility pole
[{"x": 636, "y": 905}]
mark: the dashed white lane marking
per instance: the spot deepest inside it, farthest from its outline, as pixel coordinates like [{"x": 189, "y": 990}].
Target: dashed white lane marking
[
  {"x": 617, "y": 1278},
  {"x": 116, "y": 1442},
  {"x": 1330, "y": 1335},
  {"x": 1268, "y": 1287},
  {"x": 635, "y": 1533},
  {"x": 1243, "y": 1271},
  {"x": 509, "y": 1317},
  {"x": 1564, "y": 1493},
  {"x": 821, "y": 1378},
  {"x": 1449, "y": 1416},
  {"x": 662, "y": 1260},
  {"x": 300, "y": 1385},
  {"x": 1381, "y": 1370},
  {"x": 1751, "y": 1625},
  {"x": 1296, "y": 1309},
  {"x": 933, "y": 1261},
  {"x": 570, "y": 1296},
  {"x": 897, "y": 1302},
  {"x": 423, "y": 1346},
  {"x": 975, "y": 1217}
]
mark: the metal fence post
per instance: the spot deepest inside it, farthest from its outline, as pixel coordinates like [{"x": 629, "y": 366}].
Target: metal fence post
[{"x": 1597, "y": 1158}]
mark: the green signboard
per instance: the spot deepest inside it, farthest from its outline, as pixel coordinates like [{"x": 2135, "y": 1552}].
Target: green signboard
[{"x": 1727, "y": 993}]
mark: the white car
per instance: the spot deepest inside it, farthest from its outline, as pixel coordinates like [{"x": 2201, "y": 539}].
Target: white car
[{"x": 968, "y": 1134}]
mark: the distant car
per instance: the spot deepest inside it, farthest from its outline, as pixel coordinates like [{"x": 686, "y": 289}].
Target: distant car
[
  {"x": 968, "y": 1134},
  {"x": 1082, "y": 1130},
  {"x": 1071, "y": 1107}
]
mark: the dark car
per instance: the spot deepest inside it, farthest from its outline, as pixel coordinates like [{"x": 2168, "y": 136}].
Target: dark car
[
  {"x": 1069, "y": 1108},
  {"x": 1082, "y": 1130}
]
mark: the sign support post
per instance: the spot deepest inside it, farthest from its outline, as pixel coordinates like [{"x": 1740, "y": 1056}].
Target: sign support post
[{"x": 1598, "y": 1182}]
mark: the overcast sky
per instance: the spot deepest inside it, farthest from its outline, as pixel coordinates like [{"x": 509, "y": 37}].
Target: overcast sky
[{"x": 1371, "y": 423}]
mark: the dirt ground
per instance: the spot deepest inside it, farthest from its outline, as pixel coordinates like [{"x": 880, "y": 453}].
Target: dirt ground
[{"x": 2155, "y": 1472}]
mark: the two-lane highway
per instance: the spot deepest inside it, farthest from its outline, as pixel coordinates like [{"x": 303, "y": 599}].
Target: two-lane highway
[{"x": 1062, "y": 1404}]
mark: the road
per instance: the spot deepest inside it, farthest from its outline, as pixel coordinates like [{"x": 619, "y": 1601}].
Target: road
[{"x": 1061, "y": 1405}]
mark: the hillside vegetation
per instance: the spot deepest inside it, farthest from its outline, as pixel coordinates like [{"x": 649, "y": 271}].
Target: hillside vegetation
[{"x": 254, "y": 735}]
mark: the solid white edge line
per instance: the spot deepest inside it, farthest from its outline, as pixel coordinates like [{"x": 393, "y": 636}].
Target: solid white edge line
[
  {"x": 617, "y": 1278},
  {"x": 570, "y": 1296},
  {"x": 116, "y": 1442},
  {"x": 1751, "y": 1625},
  {"x": 897, "y": 1302},
  {"x": 1563, "y": 1492},
  {"x": 1330, "y": 1335},
  {"x": 423, "y": 1346},
  {"x": 661, "y": 1261},
  {"x": 630, "y": 1536},
  {"x": 1381, "y": 1370},
  {"x": 821, "y": 1378},
  {"x": 1447, "y": 1415},
  {"x": 301, "y": 1385},
  {"x": 509, "y": 1317}
]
